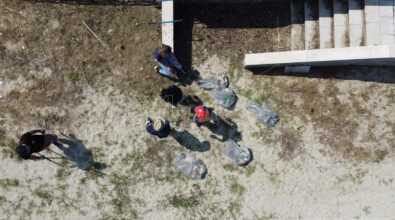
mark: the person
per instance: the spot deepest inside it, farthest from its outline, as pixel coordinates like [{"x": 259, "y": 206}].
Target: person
[
  {"x": 33, "y": 142},
  {"x": 202, "y": 114},
  {"x": 172, "y": 95},
  {"x": 160, "y": 127},
  {"x": 167, "y": 62}
]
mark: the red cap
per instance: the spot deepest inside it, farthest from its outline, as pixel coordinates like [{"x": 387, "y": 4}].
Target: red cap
[{"x": 201, "y": 113}]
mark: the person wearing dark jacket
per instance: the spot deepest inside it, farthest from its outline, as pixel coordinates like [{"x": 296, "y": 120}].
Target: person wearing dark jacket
[
  {"x": 160, "y": 127},
  {"x": 33, "y": 142},
  {"x": 203, "y": 114},
  {"x": 172, "y": 95}
]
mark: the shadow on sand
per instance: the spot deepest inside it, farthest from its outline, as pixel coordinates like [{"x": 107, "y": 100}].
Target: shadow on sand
[
  {"x": 77, "y": 153},
  {"x": 225, "y": 128},
  {"x": 189, "y": 141}
]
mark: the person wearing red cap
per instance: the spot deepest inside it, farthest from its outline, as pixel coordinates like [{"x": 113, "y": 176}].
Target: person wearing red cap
[{"x": 202, "y": 114}]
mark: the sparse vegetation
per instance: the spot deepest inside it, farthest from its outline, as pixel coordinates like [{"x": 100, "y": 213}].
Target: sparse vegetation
[
  {"x": 230, "y": 167},
  {"x": 6, "y": 183},
  {"x": 274, "y": 177},
  {"x": 355, "y": 177},
  {"x": 186, "y": 202},
  {"x": 366, "y": 210},
  {"x": 51, "y": 119},
  {"x": 249, "y": 170},
  {"x": 291, "y": 145},
  {"x": 74, "y": 77},
  {"x": 44, "y": 195},
  {"x": 234, "y": 208},
  {"x": 8, "y": 146},
  {"x": 236, "y": 188}
]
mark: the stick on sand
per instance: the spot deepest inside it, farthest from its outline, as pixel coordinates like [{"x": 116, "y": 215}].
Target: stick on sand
[{"x": 94, "y": 34}]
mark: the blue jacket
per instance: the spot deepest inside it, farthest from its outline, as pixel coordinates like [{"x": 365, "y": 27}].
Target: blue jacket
[
  {"x": 162, "y": 133},
  {"x": 169, "y": 60}
]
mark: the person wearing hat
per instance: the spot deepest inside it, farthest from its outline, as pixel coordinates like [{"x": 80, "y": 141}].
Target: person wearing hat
[
  {"x": 160, "y": 127},
  {"x": 33, "y": 142},
  {"x": 202, "y": 114}
]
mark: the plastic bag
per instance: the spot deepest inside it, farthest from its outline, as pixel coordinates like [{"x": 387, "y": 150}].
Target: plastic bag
[
  {"x": 190, "y": 166},
  {"x": 263, "y": 115},
  {"x": 224, "y": 96},
  {"x": 212, "y": 83},
  {"x": 240, "y": 155}
]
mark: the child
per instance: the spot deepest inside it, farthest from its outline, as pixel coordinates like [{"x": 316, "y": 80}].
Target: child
[{"x": 168, "y": 63}]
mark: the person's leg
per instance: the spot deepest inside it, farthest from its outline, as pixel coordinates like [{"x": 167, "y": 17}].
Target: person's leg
[{"x": 164, "y": 70}]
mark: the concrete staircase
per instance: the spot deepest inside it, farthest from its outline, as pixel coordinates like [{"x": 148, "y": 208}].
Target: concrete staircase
[{"x": 326, "y": 25}]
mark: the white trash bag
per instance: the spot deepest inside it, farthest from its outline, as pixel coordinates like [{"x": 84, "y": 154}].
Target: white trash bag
[
  {"x": 215, "y": 82},
  {"x": 224, "y": 96},
  {"x": 263, "y": 115},
  {"x": 190, "y": 166},
  {"x": 240, "y": 155}
]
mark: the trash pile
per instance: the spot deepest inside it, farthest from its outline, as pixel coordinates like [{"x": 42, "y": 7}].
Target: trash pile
[{"x": 220, "y": 92}]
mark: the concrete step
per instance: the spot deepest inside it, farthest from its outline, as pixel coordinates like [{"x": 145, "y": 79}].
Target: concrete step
[
  {"x": 387, "y": 21},
  {"x": 356, "y": 23},
  {"x": 312, "y": 34},
  {"x": 325, "y": 8},
  {"x": 340, "y": 17},
  {"x": 297, "y": 22},
  {"x": 365, "y": 56},
  {"x": 372, "y": 22}
]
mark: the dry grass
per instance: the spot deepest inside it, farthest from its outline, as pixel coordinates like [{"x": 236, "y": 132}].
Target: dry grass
[{"x": 291, "y": 145}]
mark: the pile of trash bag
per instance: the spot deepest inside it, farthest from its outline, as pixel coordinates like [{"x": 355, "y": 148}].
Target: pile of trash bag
[
  {"x": 224, "y": 96},
  {"x": 240, "y": 155},
  {"x": 263, "y": 115},
  {"x": 220, "y": 92},
  {"x": 190, "y": 166},
  {"x": 212, "y": 83}
]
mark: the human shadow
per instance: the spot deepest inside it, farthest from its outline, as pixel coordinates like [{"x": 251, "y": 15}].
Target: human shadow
[
  {"x": 189, "y": 141},
  {"x": 188, "y": 77},
  {"x": 227, "y": 129},
  {"x": 191, "y": 101},
  {"x": 77, "y": 153}
]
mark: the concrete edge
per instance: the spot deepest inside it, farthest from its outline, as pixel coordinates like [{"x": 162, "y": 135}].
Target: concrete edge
[{"x": 369, "y": 55}]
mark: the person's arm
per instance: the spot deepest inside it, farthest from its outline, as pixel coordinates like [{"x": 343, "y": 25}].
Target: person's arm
[
  {"x": 196, "y": 120},
  {"x": 42, "y": 131},
  {"x": 149, "y": 127}
]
